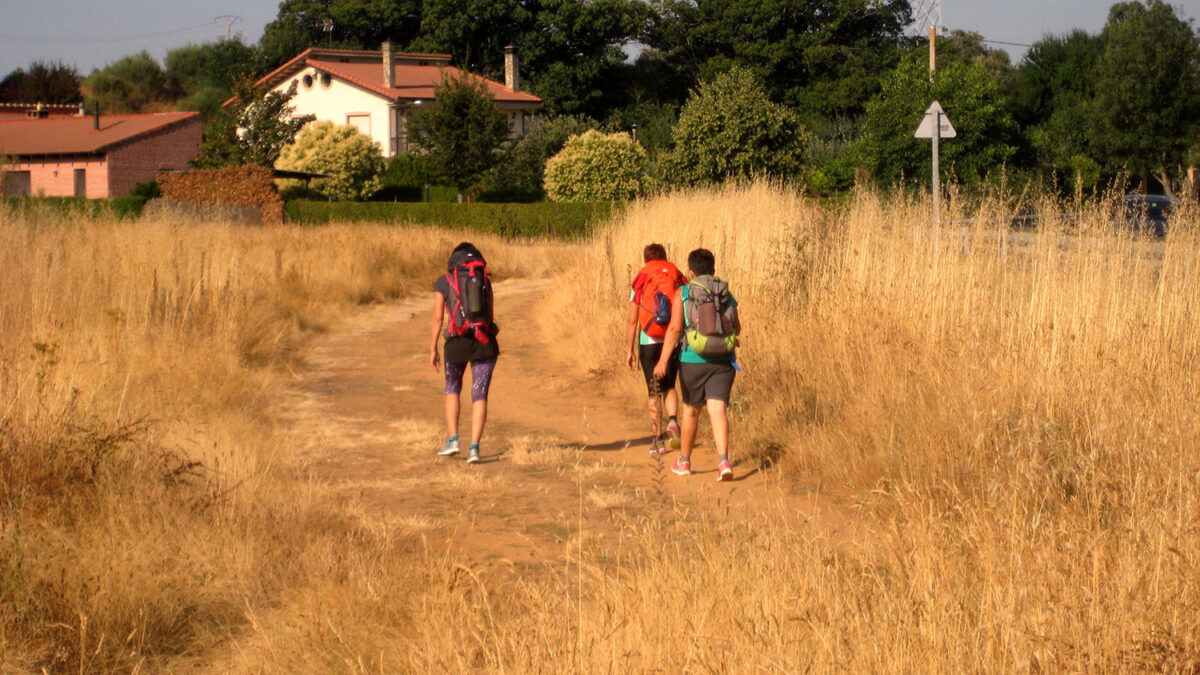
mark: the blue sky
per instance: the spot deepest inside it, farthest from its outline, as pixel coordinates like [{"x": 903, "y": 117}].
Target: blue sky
[{"x": 91, "y": 33}]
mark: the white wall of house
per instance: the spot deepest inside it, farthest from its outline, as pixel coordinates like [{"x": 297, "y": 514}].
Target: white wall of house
[{"x": 332, "y": 100}]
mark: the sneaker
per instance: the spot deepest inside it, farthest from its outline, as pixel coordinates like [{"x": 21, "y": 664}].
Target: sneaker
[
  {"x": 657, "y": 449},
  {"x": 450, "y": 448},
  {"x": 682, "y": 466},
  {"x": 473, "y": 455},
  {"x": 673, "y": 434},
  {"x": 724, "y": 470}
]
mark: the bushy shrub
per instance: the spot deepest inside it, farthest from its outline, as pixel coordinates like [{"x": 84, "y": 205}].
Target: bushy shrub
[
  {"x": 729, "y": 128},
  {"x": 351, "y": 159},
  {"x": 251, "y": 186},
  {"x": 596, "y": 167},
  {"x": 522, "y": 166}
]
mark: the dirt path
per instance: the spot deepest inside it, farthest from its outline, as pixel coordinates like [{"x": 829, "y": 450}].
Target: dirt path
[{"x": 564, "y": 465}]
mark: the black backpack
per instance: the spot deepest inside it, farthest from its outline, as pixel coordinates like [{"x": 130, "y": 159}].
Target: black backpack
[{"x": 471, "y": 296}]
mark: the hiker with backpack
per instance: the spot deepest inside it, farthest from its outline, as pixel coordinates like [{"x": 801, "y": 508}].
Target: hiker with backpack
[
  {"x": 704, "y": 313},
  {"x": 463, "y": 299},
  {"x": 649, "y": 314}
]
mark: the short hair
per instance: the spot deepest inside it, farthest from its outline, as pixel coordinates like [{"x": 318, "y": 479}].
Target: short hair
[
  {"x": 654, "y": 252},
  {"x": 702, "y": 261}
]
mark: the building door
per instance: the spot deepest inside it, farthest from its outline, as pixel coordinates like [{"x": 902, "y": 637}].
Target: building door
[
  {"x": 80, "y": 182},
  {"x": 17, "y": 184}
]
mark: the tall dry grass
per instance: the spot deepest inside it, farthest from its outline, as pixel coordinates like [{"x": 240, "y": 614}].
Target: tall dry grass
[
  {"x": 147, "y": 505},
  {"x": 1016, "y": 413}
]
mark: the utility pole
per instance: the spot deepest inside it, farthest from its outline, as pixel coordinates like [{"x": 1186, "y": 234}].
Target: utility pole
[{"x": 228, "y": 20}]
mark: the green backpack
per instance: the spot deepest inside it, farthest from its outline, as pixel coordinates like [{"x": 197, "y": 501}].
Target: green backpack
[{"x": 709, "y": 317}]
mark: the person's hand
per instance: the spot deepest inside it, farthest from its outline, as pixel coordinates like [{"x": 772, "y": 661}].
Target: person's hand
[
  {"x": 434, "y": 360},
  {"x": 631, "y": 360},
  {"x": 660, "y": 370}
]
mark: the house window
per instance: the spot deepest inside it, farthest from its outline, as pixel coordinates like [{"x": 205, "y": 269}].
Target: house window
[
  {"x": 360, "y": 121},
  {"x": 80, "y": 182},
  {"x": 17, "y": 184},
  {"x": 308, "y": 81}
]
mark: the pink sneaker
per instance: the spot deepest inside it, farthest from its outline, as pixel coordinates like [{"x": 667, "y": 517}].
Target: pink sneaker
[
  {"x": 673, "y": 435},
  {"x": 682, "y": 466},
  {"x": 657, "y": 449},
  {"x": 724, "y": 470}
]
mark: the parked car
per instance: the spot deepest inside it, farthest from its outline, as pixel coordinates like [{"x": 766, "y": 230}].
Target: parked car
[{"x": 1146, "y": 214}]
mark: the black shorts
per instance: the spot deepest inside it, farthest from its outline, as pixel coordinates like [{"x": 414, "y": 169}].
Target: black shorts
[
  {"x": 700, "y": 382},
  {"x": 649, "y": 355}
]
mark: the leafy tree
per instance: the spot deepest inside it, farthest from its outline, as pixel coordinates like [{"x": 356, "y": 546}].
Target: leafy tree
[
  {"x": 1147, "y": 90},
  {"x": 351, "y": 159},
  {"x": 729, "y": 127},
  {"x": 820, "y": 57},
  {"x": 361, "y": 24},
  {"x": 132, "y": 84},
  {"x": 43, "y": 83},
  {"x": 461, "y": 134},
  {"x": 202, "y": 75},
  {"x": 252, "y": 130},
  {"x": 597, "y": 167},
  {"x": 986, "y": 133},
  {"x": 522, "y": 166},
  {"x": 1049, "y": 97}
]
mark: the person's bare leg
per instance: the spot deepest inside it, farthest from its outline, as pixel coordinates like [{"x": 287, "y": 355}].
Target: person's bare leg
[
  {"x": 452, "y": 414},
  {"x": 671, "y": 400},
  {"x": 689, "y": 420},
  {"x": 656, "y": 425},
  {"x": 719, "y": 418},
  {"x": 478, "y": 419}
]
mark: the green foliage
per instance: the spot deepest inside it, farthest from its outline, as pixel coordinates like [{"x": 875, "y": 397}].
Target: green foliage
[
  {"x": 351, "y": 159},
  {"x": 595, "y": 167},
  {"x": 1085, "y": 173},
  {"x": 408, "y": 169},
  {"x": 730, "y": 128},
  {"x": 55, "y": 208},
  {"x": 132, "y": 84},
  {"x": 202, "y": 76},
  {"x": 252, "y": 130},
  {"x": 1050, "y": 92},
  {"x": 1147, "y": 100},
  {"x": 462, "y": 133},
  {"x": 522, "y": 166},
  {"x": 570, "y": 220},
  {"x": 43, "y": 83},
  {"x": 820, "y": 57},
  {"x": 986, "y": 133},
  {"x": 359, "y": 24}
]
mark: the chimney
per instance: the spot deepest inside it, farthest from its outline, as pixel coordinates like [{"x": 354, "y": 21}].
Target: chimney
[
  {"x": 389, "y": 73},
  {"x": 512, "y": 63}
]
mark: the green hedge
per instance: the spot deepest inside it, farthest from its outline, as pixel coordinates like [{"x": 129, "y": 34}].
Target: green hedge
[
  {"x": 539, "y": 219},
  {"x": 122, "y": 208}
]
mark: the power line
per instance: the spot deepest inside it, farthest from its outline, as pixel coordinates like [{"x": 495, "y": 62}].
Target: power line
[{"x": 94, "y": 40}]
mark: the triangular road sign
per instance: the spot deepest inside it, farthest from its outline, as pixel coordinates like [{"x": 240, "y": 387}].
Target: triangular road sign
[{"x": 946, "y": 130}]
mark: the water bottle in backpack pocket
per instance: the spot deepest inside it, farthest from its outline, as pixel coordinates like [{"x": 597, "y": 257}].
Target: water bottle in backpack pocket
[{"x": 710, "y": 317}]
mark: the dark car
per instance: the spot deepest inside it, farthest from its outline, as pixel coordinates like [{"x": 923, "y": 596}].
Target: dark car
[{"x": 1146, "y": 214}]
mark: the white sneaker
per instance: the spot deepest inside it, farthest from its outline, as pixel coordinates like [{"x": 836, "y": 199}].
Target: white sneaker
[
  {"x": 450, "y": 448},
  {"x": 473, "y": 456}
]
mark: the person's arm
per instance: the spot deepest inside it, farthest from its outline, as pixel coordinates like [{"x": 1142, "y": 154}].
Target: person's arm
[
  {"x": 631, "y": 336},
  {"x": 436, "y": 333},
  {"x": 674, "y": 330}
]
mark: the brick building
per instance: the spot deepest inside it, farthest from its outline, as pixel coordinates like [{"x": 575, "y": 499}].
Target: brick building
[{"x": 94, "y": 156}]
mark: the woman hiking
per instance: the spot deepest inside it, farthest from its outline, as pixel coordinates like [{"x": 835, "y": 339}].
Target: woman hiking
[{"x": 463, "y": 302}]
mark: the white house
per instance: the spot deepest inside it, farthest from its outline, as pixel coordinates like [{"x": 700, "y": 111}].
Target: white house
[{"x": 377, "y": 91}]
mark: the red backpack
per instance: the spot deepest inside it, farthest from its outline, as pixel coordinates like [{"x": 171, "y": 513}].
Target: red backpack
[
  {"x": 653, "y": 288},
  {"x": 471, "y": 302}
]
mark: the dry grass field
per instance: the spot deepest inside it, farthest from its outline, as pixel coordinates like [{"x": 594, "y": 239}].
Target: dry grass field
[{"x": 1014, "y": 419}]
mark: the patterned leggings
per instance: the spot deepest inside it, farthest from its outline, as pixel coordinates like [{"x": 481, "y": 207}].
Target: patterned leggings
[{"x": 481, "y": 378}]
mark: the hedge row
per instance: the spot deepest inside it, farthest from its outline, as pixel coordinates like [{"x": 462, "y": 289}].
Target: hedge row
[
  {"x": 122, "y": 208},
  {"x": 566, "y": 220},
  {"x": 249, "y": 186}
]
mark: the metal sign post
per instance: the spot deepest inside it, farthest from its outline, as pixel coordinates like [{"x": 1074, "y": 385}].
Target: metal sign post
[{"x": 935, "y": 126}]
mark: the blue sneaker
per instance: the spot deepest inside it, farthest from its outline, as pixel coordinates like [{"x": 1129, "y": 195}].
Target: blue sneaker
[{"x": 450, "y": 448}]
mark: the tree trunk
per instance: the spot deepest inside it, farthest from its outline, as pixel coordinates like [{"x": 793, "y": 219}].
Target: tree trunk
[{"x": 1165, "y": 179}]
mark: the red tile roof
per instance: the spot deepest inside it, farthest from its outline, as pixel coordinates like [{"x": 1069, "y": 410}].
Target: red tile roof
[
  {"x": 412, "y": 81},
  {"x": 76, "y": 135}
]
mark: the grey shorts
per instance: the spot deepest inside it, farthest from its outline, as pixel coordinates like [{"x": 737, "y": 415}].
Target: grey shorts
[{"x": 700, "y": 382}]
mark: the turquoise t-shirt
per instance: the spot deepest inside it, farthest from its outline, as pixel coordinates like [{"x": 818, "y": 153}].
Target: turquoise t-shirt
[{"x": 686, "y": 355}]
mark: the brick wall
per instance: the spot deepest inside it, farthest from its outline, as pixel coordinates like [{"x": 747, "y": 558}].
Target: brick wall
[
  {"x": 141, "y": 159},
  {"x": 56, "y": 177}
]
